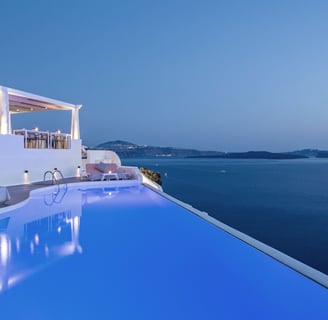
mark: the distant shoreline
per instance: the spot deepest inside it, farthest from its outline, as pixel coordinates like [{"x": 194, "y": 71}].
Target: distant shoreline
[
  {"x": 252, "y": 155},
  {"x": 126, "y": 149}
]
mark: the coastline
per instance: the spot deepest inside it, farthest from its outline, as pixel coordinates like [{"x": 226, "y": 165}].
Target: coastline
[{"x": 253, "y": 155}]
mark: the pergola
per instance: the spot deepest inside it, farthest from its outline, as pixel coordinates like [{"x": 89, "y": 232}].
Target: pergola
[{"x": 14, "y": 101}]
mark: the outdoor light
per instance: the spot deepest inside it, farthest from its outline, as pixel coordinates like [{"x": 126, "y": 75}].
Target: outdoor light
[
  {"x": 78, "y": 167},
  {"x": 26, "y": 177}
]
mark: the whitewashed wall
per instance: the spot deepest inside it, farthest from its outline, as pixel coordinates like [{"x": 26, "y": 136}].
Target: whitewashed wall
[
  {"x": 15, "y": 159},
  {"x": 95, "y": 156}
]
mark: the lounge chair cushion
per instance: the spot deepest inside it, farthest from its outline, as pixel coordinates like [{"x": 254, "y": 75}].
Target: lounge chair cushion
[{"x": 106, "y": 167}]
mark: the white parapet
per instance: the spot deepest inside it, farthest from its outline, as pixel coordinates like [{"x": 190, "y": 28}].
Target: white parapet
[
  {"x": 145, "y": 180},
  {"x": 95, "y": 156},
  {"x": 19, "y": 165}
]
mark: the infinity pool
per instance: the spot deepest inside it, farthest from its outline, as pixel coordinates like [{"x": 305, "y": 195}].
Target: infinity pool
[{"x": 131, "y": 253}]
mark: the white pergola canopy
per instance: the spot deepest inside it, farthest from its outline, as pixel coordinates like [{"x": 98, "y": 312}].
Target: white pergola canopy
[{"x": 14, "y": 101}]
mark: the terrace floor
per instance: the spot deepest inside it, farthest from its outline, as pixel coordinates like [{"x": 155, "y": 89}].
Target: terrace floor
[{"x": 19, "y": 193}]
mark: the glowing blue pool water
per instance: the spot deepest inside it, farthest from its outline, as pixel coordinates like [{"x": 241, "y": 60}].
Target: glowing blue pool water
[{"x": 130, "y": 253}]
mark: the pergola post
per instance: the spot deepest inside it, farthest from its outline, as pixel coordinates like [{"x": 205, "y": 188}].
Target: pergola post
[
  {"x": 5, "y": 121},
  {"x": 75, "y": 125}
]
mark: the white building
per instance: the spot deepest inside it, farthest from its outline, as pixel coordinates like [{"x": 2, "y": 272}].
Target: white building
[{"x": 26, "y": 154}]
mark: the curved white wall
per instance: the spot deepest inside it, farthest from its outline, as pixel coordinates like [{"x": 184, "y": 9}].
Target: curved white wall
[{"x": 95, "y": 156}]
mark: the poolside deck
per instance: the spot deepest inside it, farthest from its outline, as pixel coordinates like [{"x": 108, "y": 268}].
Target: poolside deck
[{"x": 19, "y": 193}]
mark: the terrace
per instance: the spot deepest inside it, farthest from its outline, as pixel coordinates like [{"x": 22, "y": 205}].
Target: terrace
[{"x": 32, "y": 152}]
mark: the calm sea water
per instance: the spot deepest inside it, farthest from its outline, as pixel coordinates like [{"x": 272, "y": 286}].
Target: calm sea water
[{"x": 283, "y": 203}]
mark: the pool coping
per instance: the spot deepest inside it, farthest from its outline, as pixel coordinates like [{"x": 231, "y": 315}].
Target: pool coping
[{"x": 39, "y": 188}]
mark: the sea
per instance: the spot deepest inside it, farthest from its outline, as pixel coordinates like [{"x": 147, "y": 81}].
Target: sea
[{"x": 283, "y": 203}]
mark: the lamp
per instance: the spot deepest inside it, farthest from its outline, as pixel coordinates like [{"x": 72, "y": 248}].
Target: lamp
[{"x": 25, "y": 171}]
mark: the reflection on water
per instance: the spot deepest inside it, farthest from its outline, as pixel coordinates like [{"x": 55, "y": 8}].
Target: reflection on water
[
  {"x": 56, "y": 196},
  {"x": 36, "y": 235},
  {"x": 47, "y": 228}
]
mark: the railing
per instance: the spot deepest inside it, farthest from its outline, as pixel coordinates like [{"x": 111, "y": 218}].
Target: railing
[
  {"x": 36, "y": 139},
  {"x": 57, "y": 196},
  {"x": 55, "y": 174}
]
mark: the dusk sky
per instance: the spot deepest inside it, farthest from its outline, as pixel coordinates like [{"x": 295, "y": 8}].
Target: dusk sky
[{"x": 212, "y": 75}]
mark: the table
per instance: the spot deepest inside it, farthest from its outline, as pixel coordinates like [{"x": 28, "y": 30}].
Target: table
[{"x": 109, "y": 176}]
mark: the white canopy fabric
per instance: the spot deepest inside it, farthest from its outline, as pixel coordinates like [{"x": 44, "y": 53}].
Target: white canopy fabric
[{"x": 20, "y": 101}]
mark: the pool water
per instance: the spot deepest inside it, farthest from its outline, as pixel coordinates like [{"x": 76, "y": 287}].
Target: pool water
[
  {"x": 282, "y": 203},
  {"x": 130, "y": 253}
]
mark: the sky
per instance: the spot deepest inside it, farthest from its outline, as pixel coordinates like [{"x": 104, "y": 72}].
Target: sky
[{"x": 212, "y": 75}]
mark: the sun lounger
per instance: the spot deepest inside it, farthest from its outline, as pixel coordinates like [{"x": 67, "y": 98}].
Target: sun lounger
[
  {"x": 101, "y": 171},
  {"x": 92, "y": 172},
  {"x": 106, "y": 171}
]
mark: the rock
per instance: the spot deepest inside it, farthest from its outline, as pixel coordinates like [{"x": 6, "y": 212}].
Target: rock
[{"x": 152, "y": 175}]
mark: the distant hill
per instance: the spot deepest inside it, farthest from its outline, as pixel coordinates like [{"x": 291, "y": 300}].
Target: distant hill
[
  {"x": 312, "y": 153},
  {"x": 254, "y": 155},
  {"x": 322, "y": 154},
  {"x": 126, "y": 149}
]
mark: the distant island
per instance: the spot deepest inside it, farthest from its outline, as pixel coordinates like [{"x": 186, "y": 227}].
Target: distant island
[
  {"x": 254, "y": 155},
  {"x": 126, "y": 149}
]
